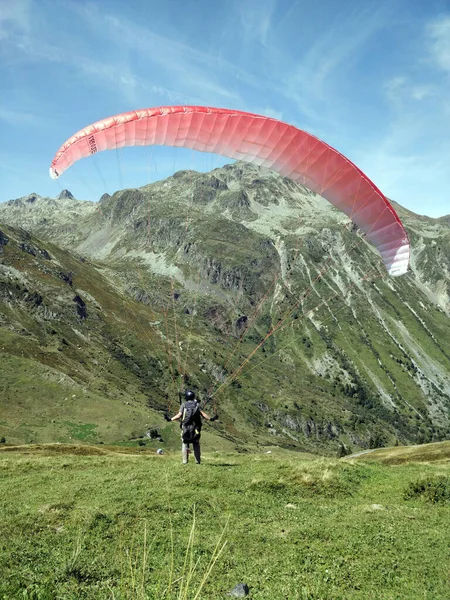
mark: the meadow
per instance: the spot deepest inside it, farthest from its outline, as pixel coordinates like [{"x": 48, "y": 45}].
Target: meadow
[{"x": 103, "y": 522}]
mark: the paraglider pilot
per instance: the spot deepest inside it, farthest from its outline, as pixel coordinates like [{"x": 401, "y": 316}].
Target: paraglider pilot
[{"x": 191, "y": 415}]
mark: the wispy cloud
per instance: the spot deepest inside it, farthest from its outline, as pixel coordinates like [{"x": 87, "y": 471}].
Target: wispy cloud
[
  {"x": 420, "y": 92},
  {"x": 320, "y": 80},
  {"x": 18, "y": 117},
  {"x": 14, "y": 17},
  {"x": 197, "y": 74},
  {"x": 439, "y": 36},
  {"x": 270, "y": 112},
  {"x": 394, "y": 88},
  {"x": 410, "y": 163},
  {"x": 400, "y": 90},
  {"x": 255, "y": 20},
  {"x": 117, "y": 76},
  {"x": 196, "y": 71}
]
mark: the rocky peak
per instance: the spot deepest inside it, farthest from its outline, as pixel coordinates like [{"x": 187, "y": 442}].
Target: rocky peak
[
  {"x": 105, "y": 198},
  {"x": 66, "y": 195},
  {"x": 31, "y": 198},
  {"x": 444, "y": 220}
]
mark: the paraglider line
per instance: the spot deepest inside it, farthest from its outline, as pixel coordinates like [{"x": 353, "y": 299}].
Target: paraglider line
[
  {"x": 255, "y": 314},
  {"x": 166, "y": 347},
  {"x": 324, "y": 302},
  {"x": 169, "y": 353},
  {"x": 192, "y": 323},
  {"x": 270, "y": 333},
  {"x": 119, "y": 168},
  {"x": 289, "y": 312},
  {"x": 176, "y": 330},
  {"x": 83, "y": 181},
  {"x": 105, "y": 187}
]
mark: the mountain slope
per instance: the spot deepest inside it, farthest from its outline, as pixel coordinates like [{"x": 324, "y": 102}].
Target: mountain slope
[{"x": 329, "y": 352}]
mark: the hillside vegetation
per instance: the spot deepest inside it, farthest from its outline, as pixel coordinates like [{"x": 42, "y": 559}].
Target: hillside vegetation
[{"x": 239, "y": 283}]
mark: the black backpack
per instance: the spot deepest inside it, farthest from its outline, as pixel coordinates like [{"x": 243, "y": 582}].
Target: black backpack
[{"x": 191, "y": 423}]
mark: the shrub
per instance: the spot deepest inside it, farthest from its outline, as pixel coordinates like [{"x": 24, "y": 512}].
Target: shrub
[
  {"x": 431, "y": 489},
  {"x": 343, "y": 450}
]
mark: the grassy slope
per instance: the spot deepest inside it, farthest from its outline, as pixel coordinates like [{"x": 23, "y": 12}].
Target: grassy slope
[
  {"x": 69, "y": 363},
  {"x": 425, "y": 453},
  {"x": 98, "y": 384},
  {"x": 296, "y": 526}
]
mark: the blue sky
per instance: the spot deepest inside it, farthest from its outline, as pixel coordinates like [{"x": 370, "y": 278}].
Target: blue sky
[{"x": 371, "y": 78}]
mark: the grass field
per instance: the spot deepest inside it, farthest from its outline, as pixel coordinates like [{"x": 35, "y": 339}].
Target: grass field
[{"x": 100, "y": 522}]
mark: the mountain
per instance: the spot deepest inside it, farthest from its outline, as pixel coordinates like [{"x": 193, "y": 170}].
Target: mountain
[{"x": 241, "y": 283}]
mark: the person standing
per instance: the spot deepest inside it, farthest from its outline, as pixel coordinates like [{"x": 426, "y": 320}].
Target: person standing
[{"x": 191, "y": 416}]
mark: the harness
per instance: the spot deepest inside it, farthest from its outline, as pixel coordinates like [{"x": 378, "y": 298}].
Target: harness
[{"x": 191, "y": 423}]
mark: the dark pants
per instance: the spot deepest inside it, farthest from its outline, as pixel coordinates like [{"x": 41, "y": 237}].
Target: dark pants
[{"x": 185, "y": 453}]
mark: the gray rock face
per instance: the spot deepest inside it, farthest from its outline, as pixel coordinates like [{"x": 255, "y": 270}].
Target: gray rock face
[
  {"x": 49, "y": 218},
  {"x": 3, "y": 241},
  {"x": 66, "y": 195}
]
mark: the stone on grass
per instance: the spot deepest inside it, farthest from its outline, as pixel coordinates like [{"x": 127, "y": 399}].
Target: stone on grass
[{"x": 239, "y": 591}]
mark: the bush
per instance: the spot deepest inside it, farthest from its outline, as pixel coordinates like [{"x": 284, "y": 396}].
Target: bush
[
  {"x": 377, "y": 440},
  {"x": 343, "y": 450},
  {"x": 3, "y": 440},
  {"x": 431, "y": 489}
]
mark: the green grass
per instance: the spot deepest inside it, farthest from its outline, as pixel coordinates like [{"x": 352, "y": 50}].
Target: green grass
[
  {"x": 83, "y": 431},
  {"x": 101, "y": 522}
]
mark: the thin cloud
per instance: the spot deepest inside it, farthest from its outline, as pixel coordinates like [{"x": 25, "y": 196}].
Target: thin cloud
[
  {"x": 256, "y": 20},
  {"x": 274, "y": 114},
  {"x": 14, "y": 17},
  {"x": 116, "y": 76},
  {"x": 18, "y": 117},
  {"x": 400, "y": 90},
  {"x": 439, "y": 35},
  {"x": 420, "y": 92},
  {"x": 412, "y": 179},
  {"x": 315, "y": 84},
  {"x": 193, "y": 69},
  {"x": 189, "y": 67}
]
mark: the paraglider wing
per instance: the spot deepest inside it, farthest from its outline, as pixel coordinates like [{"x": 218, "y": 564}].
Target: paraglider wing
[{"x": 260, "y": 140}]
